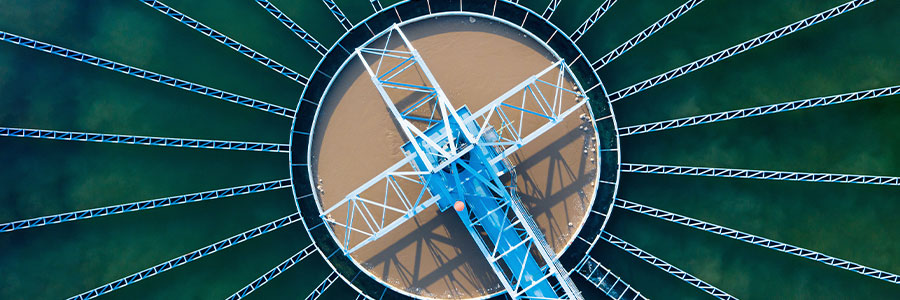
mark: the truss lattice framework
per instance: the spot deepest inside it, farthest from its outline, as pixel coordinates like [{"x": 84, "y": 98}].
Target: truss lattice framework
[
  {"x": 757, "y": 240},
  {"x": 336, "y": 11},
  {"x": 181, "y": 260},
  {"x": 319, "y": 290},
  {"x": 581, "y": 30},
  {"x": 759, "y": 110},
  {"x": 142, "y": 140},
  {"x": 287, "y": 22},
  {"x": 277, "y": 270},
  {"x": 646, "y": 33},
  {"x": 737, "y": 49},
  {"x": 758, "y": 174},
  {"x": 142, "y": 205},
  {"x": 502, "y": 110},
  {"x": 140, "y": 73},
  {"x": 376, "y": 5},
  {"x": 227, "y": 41},
  {"x": 605, "y": 280},
  {"x": 551, "y": 8},
  {"x": 661, "y": 264}
]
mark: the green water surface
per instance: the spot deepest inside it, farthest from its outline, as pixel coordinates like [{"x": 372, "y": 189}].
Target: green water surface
[{"x": 855, "y": 51}]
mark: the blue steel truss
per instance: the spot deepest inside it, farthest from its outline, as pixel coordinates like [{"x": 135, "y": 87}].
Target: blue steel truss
[
  {"x": 143, "y": 205},
  {"x": 581, "y": 30},
  {"x": 376, "y": 5},
  {"x": 757, "y": 240},
  {"x": 760, "y": 110},
  {"x": 287, "y": 264},
  {"x": 460, "y": 155},
  {"x": 758, "y": 174},
  {"x": 140, "y": 73},
  {"x": 316, "y": 293},
  {"x": 284, "y": 19},
  {"x": 508, "y": 237},
  {"x": 336, "y": 11},
  {"x": 181, "y": 260},
  {"x": 551, "y": 8},
  {"x": 227, "y": 41},
  {"x": 737, "y": 49},
  {"x": 142, "y": 140},
  {"x": 662, "y": 265},
  {"x": 643, "y": 35},
  {"x": 605, "y": 280}
]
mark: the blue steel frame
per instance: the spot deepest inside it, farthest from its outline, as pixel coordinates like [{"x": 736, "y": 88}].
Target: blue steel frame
[
  {"x": 605, "y": 280},
  {"x": 662, "y": 265},
  {"x": 140, "y": 73},
  {"x": 760, "y": 110},
  {"x": 319, "y": 290},
  {"x": 589, "y": 22},
  {"x": 646, "y": 33},
  {"x": 142, "y": 205},
  {"x": 505, "y": 12},
  {"x": 227, "y": 41},
  {"x": 181, "y": 260},
  {"x": 759, "y": 174},
  {"x": 757, "y": 240},
  {"x": 76, "y": 136},
  {"x": 142, "y": 140},
  {"x": 738, "y": 49},
  {"x": 287, "y": 22},
  {"x": 338, "y": 14},
  {"x": 376, "y": 5},
  {"x": 277, "y": 270},
  {"x": 443, "y": 146}
]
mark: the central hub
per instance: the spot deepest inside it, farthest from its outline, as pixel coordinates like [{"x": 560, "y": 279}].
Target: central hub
[{"x": 460, "y": 110}]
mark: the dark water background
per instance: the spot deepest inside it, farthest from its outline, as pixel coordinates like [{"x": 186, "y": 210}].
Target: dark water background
[{"x": 855, "y": 51}]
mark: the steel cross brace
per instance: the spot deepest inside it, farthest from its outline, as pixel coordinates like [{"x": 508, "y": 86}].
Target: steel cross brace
[
  {"x": 760, "y": 110},
  {"x": 142, "y": 140},
  {"x": 757, "y": 240},
  {"x": 284, "y": 19},
  {"x": 668, "y": 268},
  {"x": 444, "y": 149},
  {"x": 605, "y": 280},
  {"x": 192, "y": 256},
  {"x": 146, "y": 204},
  {"x": 760, "y": 174},
  {"x": 227, "y": 41},
  {"x": 589, "y": 22},
  {"x": 144, "y": 74}
]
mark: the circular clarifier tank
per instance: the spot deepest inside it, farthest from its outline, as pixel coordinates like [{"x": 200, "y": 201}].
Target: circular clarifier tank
[{"x": 475, "y": 59}]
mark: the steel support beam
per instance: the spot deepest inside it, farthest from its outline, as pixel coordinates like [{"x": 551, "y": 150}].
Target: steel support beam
[
  {"x": 662, "y": 265},
  {"x": 227, "y": 41},
  {"x": 143, "y": 205},
  {"x": 646, "y": 33},
  {"x": 551, "y": 8},
  {"x": 142, "y": 140},
  {"x": 758, "y": 174},
  {"x": 757, "y": 240},
  {"x": 760, "y": 110},
  {"x": 316, "y": 293},
  {"x": 140, "y": 73},
  {"x": 592, "y": 19},
  {"x": 287, "y": 22},
  {"x": 287, "y": 264},
  {"x": 737, "y": 49},
  {"x": 336, "y": 11},
  {"x": 181, "y": 260},
  {"x": 605, "y": 280},
  {"x": 376, "y": 5}
]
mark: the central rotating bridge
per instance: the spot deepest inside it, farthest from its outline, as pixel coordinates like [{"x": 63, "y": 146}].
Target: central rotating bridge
[{"x": 458, "y": 158}]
